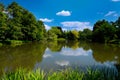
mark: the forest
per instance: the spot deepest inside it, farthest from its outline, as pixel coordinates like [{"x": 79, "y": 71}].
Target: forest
[{"x": 17, "y": 23}]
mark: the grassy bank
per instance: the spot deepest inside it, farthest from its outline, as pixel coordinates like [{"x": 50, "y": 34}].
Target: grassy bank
[{"x": 68, "y": 74}]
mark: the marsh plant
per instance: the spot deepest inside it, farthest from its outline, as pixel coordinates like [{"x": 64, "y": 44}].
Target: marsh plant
[{"x": 67, "y": 74}]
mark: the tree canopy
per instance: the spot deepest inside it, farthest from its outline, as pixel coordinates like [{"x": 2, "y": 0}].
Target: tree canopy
[{"x": 17, "y": 23}]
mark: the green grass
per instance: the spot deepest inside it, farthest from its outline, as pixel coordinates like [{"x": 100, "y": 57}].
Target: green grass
[{"x": 67, "y": 74}]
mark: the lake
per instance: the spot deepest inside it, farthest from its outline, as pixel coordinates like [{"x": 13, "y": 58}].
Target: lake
[{"x": 55, "y": 55}]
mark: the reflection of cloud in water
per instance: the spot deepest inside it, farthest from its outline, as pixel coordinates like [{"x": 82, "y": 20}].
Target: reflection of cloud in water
[
  {"x": 47, "y": 55},
  {"x": 77, "y": 52},
  {"x": 47, "y": 49},
  {"x": 62, "y": 63}
]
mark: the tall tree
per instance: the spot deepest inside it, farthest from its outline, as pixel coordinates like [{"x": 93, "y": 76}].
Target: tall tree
[
  {"x": 23, "y": 24},
  {"x": 86, "y": 34},
  {"x": 117, "y": 24},
  {"x": 72, "y": 35},
  {"x": 103, "y": 31},
  {"x": 3, "y": 26},
  {"x": 55, "y": 32},
  {"x": 1, "y": 7},
  {"x": 41, "y": 32}
]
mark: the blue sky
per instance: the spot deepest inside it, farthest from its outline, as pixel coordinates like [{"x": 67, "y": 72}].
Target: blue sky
[{"x": 71, "y": 14}]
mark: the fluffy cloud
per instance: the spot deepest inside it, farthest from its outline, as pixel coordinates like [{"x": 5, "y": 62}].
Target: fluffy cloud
[
  {"x": 111, "y": 13},
  {"x": 115, "y": 0},
  {"x": 46, "y": 20},
  {"x": 47, "y": 27},
  {"x": 77, "y": 25},
  {"x": 63, "y": 13}
]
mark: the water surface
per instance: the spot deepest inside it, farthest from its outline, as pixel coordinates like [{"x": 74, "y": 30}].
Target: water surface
[{"x": 56, "y": 55}]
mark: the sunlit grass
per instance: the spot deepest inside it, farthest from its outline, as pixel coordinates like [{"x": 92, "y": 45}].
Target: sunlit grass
[{"x": 67, "y": 74}]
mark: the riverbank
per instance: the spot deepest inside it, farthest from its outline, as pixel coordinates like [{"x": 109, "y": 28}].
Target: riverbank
[{"x": 67, "y": 74}]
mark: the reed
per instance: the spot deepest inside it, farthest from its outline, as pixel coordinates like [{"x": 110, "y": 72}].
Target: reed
[{"x": 67, "y": 74}]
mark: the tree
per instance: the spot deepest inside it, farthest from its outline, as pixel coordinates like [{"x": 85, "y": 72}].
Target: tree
[
  {"x": 1, "y": 7},
  {"x": 86, "y": 34},
  {"x": 3, "y": 27},
  {"x": 117, "y": 24},
  {"x": 23, "y": 24},
  {"x": 103, "y": 31},
  {"x": 55, "y": 33},
  {"x": 72, "y": 35},
  {"x": 41, "y": 32}
]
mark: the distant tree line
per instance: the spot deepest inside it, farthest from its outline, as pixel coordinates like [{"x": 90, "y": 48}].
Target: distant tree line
[
  {"x": 103, "y": 32},
  {"x": 17, "y": 23}
]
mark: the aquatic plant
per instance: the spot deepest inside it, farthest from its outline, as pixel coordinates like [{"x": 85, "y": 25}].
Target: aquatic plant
[{"x": 67, "y": 74}]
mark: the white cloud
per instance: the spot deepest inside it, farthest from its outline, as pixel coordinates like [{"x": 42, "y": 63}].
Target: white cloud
[
  {"x": 115, "y": 0},
  {"x": 112, "y": 13},
  {"x": 63, "y": 13},
  {"x": 46, "y": 20},
  {"x": 76, "y": 25},
  {"x": 47, "y": 27},
  {"x": 62, "y": 63}
]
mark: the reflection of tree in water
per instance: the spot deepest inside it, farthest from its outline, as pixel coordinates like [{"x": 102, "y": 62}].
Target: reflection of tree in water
[
  {"x": 29, "y": 54},
  {"x": 24, "y": 56},
  {"x": 55, "y": 46},
  {"x": 103, "y": 53},
  {"x": 84, "y": 45},
  {"x": 72, "y": 44}
]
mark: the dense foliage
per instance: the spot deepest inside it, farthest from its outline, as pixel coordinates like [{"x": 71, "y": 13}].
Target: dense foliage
[
  {"x": 17, "y": 23},
  {"x": 103, "y": 31}
]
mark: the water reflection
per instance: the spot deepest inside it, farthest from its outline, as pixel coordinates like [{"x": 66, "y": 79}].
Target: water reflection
[
  {"x": 103, "y": 53},
  {"x": 62, "y": 63},
  {"x": 21, "y": 56},
  {"x": 75, "y": 52},
  {"x": 55, "y": 54},
  {"x": 55, "y": 46}
]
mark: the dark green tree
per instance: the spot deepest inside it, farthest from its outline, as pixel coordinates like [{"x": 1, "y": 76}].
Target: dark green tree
[
  {"x": 117, "y": 24},
  {"x": 41, "y": 32},
  {"x": 86, "y": 34},
  {"x": 72, "y": 35},
  {"x": 23, "y": 24},
  {"x": 3, "y": 27},
  {"x": 55, "y": 33},
  {"x": 1, "y": 7},
  {"x": 103, "y": 31}
]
